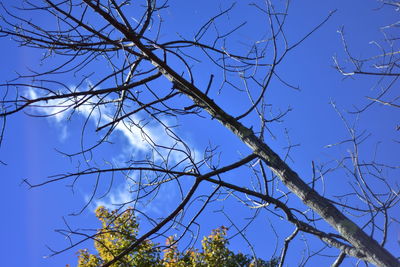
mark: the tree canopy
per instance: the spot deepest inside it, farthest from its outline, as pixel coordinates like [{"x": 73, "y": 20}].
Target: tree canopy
[{"x": 118, "y": 231}]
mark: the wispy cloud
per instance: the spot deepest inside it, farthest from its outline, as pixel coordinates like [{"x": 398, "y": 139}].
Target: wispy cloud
[
  {"x": 139, "y": 140},
  {"x": 54, "y": 110},
  {"x": 139, "y": 137},
  {"x": 121, "y": 194}
]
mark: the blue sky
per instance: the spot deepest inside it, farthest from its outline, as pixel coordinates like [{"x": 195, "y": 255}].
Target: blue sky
[{"x": 30, "y": 144}]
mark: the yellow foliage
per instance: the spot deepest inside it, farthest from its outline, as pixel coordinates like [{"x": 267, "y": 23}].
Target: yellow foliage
[{"x": 119, "y": 231}]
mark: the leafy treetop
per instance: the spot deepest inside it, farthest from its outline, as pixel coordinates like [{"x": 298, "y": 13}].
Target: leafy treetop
[{"x": 118, "y": 231}]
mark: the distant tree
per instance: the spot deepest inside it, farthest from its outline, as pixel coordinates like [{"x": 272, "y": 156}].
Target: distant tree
[{"x": 118, "y": 231}]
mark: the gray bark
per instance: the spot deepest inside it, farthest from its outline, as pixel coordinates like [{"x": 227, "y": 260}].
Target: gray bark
[{"x": 374, "y": 253}]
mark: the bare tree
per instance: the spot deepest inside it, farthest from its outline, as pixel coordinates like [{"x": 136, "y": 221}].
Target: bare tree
[{"x": 157, "y": 83}]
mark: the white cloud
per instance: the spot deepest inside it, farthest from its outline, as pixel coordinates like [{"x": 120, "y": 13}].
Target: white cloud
[
  {"x": 125, "y": 193},
  {"x": 54, "y": 109},
  {"x": 139, "y": 140},
  {"x": 118, "y": 196}
]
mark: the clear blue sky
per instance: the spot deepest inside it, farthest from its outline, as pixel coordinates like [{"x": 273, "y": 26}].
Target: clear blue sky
[{"x": 29, "y": 146}]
